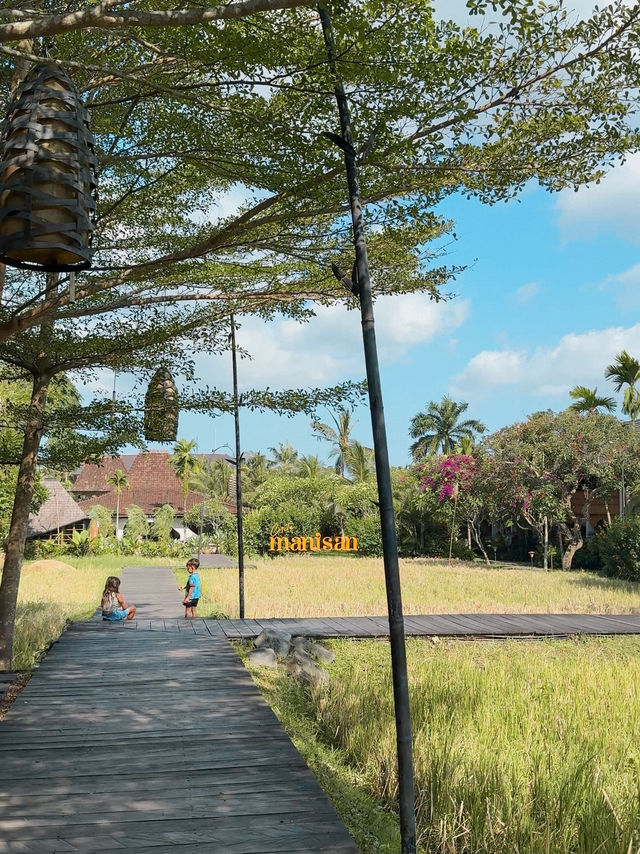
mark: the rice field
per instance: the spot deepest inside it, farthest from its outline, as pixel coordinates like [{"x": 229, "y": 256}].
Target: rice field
[
  {"x": 291, "y": 586},
  {"x": 527, "y": 747}
]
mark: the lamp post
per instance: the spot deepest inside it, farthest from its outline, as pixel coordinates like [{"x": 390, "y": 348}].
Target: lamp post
[
  {"x": 236, "y": 418},
  {"x": 361, "y": 288}
]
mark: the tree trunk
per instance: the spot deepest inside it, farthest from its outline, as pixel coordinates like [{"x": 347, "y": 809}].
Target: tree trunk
[
  {"x": 545, "y": 540},
  {"x": 574, "y": 539},
  {"x": 475, "y": 528},
  {"x": 117, "y": 515},
  {"x": 19, "y": 519}
]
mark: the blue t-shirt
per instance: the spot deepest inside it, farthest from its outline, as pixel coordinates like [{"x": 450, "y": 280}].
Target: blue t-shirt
[{"x": 193, "y": 586}]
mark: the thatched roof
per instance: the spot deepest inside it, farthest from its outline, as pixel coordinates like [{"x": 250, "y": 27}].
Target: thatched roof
[{"x": 58, "y": 511}]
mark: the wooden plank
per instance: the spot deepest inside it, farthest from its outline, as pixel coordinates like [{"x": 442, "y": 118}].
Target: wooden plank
[{"x": 109, "y": 754}]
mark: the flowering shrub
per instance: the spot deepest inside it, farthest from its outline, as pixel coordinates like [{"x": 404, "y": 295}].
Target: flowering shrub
[{"x": 450, "y": 476}]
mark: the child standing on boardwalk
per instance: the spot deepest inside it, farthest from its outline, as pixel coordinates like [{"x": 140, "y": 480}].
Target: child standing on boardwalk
[
  {"x": 191, "y": 588},
  {"x": 113, "y": 606}
]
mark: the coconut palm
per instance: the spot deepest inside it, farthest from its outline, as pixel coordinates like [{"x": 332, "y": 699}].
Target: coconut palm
[
  {"x": 308, "y": 466},
  {"x": 360, "y": 462},
  {"x": 213, "y": 479},
  {"x": 340, "y": 437},
  {"x": 625, "y": 371},
  {"x": 119, "y": 480},
  {"x": 185, "y": 466},
  {"x": 255, "y": 467},
  {"x": 588, "y": 401},
  {"x": 439, "y": 428},
  {"x": 285, "y": 458}
]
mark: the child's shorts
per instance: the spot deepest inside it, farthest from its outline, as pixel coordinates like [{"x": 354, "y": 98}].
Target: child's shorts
[
  {"x": 192, "y": 604},
  {"x": 118, "y": 614}
]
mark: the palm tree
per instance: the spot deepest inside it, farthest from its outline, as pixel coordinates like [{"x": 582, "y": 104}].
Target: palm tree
[
  {"x": 284, "y": 458},
  {"x": 255, "y": 467},
  {"x": 212, "y": 479},
  {"x": 360, "y": 462},
  {"x": 626, "y": 371},
  {"x": 119, "y": 480},
  {"x": 338, "y": 437},
  {"x": 439, "y": 428},
  {"x": 185, "y": 466},
  {"x": 587, "y": 400},
  {"x": 308, "y": 466}
]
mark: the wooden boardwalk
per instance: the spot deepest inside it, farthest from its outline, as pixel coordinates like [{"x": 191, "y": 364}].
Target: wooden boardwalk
[
  {"x": 487, "y": 626},
  {"x": 154, "y": 742}
]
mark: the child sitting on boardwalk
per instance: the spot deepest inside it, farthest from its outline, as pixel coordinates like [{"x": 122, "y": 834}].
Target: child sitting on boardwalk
[
  {"x": 191, "y": 588},
  {"x": 113, "y": 605}
]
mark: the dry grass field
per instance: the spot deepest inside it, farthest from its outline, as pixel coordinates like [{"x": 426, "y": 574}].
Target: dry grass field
[{"x": 306, "y": 586}]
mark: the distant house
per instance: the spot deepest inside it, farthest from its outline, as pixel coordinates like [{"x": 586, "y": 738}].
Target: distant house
[
  {"x": 59, "y": 516},
  {"x": 152, "y": 483}
]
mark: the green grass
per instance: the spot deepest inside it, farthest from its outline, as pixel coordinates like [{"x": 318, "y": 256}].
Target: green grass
[{"x": 522, "y": 747}]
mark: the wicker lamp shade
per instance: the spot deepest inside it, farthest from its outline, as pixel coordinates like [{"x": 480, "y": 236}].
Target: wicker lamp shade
[
  {"x": 161, "y": 408},
  {"x": 47, "y": 176}
]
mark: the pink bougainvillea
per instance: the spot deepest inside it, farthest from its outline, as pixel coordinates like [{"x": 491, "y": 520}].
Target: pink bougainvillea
[{"x": 450, "y": 476}]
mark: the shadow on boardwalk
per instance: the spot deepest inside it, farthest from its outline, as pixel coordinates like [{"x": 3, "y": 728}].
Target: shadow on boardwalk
[{"x": 153, "y": 742}]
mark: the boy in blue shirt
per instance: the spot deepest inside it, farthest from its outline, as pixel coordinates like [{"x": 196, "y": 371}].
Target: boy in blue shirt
[{"x": 191, "y": 588}]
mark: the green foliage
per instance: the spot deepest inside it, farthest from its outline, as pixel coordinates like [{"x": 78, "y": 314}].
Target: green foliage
[
  {"x": 618, "y": 548},
  {"x": 366, "y": 529},
  {"x": 440, "y": 428},
  {"x": 137, "y": 526},
  {"x": 8, "y": 481},
  {"x": 162, "y": 524},
  {"x": 103, "y": 518},
  {"x": 217, "y": 522}
]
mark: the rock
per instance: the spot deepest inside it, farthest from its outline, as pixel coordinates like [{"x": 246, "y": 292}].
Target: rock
[
  {"x": 280, "y": 642},
  {"x": 435, "y": 640},
  {"x": 312, "y": 648},
  {"x": 263, "y": 657},
  {"x": 320, "y": 652},
  {"x": 302, "y": 666}
]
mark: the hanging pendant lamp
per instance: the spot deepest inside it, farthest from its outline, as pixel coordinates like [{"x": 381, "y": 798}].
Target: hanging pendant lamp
[
  {"x": 47, "y": 176},
  {"x": 161, "y": 408}
]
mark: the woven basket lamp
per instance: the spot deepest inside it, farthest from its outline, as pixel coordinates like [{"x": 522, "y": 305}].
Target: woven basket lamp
[
  {"x": 161, "y": 408},
  {"x": 47, "y": 176}
]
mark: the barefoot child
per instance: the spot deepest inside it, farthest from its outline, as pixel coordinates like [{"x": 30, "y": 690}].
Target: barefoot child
[
  {"x": 113, "y": 605},
  {"x": 192, "y": 589}
]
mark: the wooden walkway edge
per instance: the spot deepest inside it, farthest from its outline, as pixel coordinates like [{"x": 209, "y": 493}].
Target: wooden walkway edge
[{"x": 487, "y": 626}]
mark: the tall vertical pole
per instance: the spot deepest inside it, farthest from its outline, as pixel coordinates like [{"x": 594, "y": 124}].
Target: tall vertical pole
[
  {"x": 236, "y": 417},
  {"x": 387, "y": 521}
]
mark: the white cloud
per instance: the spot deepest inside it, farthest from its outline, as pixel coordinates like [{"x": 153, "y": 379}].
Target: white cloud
[
  {"x": 625, "y": 288},
  {"x": 527, "y": 292},
  {"x": 611, "y": 205},
  {"x": 328, "y": 349},
  {"x": 577, "y": 359}
]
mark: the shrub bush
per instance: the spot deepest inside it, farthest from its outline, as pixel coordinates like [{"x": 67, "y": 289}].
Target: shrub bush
[
  {"x": 366, "y": 529},
  {"x": 619, "y": 549}
]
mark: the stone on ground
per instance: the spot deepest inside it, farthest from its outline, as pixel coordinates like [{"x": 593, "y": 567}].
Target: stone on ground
[
  {"x": 263, "y": 657},
  {"x": 280, "y": 642}
]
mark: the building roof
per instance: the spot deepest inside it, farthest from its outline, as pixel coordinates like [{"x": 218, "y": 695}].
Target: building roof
[
  {"x": 152, "y": 483},
  {"x": 58, "y": 511}
]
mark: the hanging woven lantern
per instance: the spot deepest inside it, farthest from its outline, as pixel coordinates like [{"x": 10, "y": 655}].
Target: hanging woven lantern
[
  {"x": 161, "y": 408},
  {"x": 47, "y": 176}
]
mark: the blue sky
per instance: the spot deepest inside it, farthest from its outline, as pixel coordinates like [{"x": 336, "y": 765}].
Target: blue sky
[{"x": 551, "y": 293}]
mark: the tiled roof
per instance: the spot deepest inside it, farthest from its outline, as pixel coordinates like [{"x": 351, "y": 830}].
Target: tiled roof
[
  {"x": 152, "y": 483},
  {"x": 58, "y": 511},
  {"x": 93, "y": 478}
]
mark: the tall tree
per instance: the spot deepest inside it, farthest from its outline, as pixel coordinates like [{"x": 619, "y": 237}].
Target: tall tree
[
  {"x": 285, "y": 458},
  {"x": 119, "y": 480},
  {"x": 440, "y": 428},
  {"x": 587, "y": 400},
  {"x": 309, "y": 465},
  {"x": 185, "y": 465},
  {"x": 625, "y": 371},
  {"x": 360, "y": 462},
  {"x": 339, "y": 437}
]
